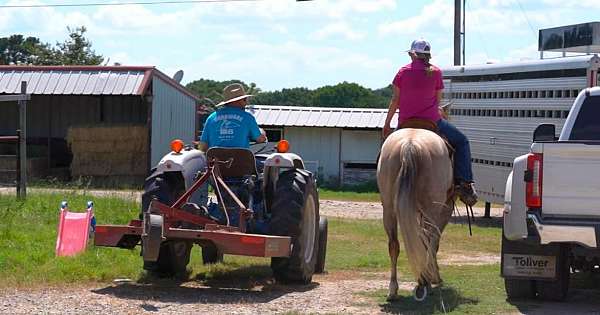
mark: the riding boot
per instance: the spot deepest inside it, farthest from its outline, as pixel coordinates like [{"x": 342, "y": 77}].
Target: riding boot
[{"x": 466, "y": 193}]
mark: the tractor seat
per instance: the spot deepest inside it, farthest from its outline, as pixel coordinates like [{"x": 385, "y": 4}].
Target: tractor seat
[{"x": 242, "y": 161}]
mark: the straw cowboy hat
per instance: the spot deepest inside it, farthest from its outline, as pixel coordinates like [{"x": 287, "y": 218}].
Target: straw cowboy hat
[{"x": 233, "y": 92}]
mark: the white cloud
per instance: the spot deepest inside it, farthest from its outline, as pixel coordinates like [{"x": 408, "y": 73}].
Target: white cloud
[
  {"x": 288, "y": 64},
  {"x": 437, "y": 14},
  {"x": 342, "y": 29}
]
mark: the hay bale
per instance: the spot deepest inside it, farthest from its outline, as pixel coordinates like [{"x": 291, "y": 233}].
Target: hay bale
[{"x": 109, "y": 150}]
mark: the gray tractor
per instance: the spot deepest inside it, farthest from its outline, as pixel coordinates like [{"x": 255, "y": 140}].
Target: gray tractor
[{"x": 263, "y": 195}]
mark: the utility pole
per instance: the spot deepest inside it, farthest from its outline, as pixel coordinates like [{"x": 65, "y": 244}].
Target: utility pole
[{"x": 459, "y": 32}]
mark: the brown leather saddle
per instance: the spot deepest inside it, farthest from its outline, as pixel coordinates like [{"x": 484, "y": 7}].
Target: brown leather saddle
[{"x": 419, "y": 123}]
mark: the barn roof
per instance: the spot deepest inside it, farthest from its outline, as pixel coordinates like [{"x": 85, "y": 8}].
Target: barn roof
[
  {"x": 334, "y": 117},
  {"x": 83, "y": 80}
]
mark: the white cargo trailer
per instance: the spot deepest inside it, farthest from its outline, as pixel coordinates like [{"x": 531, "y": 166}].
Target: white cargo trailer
[{"x": 499, "y": 105}]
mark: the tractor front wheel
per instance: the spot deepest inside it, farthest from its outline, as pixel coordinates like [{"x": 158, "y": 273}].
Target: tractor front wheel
[
  {"x": 295, "y": 213},
  {"x": 173, "y": 256}
]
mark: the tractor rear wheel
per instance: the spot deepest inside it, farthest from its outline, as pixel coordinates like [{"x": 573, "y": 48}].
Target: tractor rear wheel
[
  {"x": 295, "y": 213},
  {"x": 173, "y": 256}
]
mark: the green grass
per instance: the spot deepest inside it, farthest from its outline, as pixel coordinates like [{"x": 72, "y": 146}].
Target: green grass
[
  {"x": 28, "y": 236},
  {"x": 462, "y": 293},
  {"x": 348, "y": 195}
]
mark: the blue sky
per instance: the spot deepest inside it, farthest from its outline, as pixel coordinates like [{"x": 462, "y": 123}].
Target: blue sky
[{"x": 283, "y": 44}]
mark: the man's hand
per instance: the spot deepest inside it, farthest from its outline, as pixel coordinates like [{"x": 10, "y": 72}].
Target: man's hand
[
  {"x": 261, "y": 139},
  {"x": 202, "y": 146}
]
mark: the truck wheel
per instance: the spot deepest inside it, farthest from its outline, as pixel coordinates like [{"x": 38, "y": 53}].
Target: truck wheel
[
  {"x": 173, "y": 256},
  {"x": 516, "y": 288},
  {"x": 322, "y": 249},
  {"x": 295, "y": 213},
  {"x": 211, "y": 255},
  {"x": 557, "y": 290},
  {"x": 519, "y": 289}
]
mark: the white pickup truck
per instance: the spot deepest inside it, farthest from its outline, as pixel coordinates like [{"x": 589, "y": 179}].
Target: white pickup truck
[{"x": 552, "y": 206}]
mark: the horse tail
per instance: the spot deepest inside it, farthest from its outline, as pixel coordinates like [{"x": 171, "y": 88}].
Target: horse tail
[{"x": 419, "y": 234}]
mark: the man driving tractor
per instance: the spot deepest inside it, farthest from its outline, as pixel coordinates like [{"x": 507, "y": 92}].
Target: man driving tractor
[{"x": 230, "y": 125}]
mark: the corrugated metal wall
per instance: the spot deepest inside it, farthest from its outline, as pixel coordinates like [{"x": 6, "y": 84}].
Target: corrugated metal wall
[
  {"x": 173, "y": 116},
  {"x": 52, "y": 115},
  {"x": 317, "y": 146},
  {"x": 360, "y": 146}
]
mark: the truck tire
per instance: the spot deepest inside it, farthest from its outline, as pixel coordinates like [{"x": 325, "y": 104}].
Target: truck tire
[
  {"x": 516, "y": 288},
  {"x": 519, "y": 289},
  {"x": 322, "y": 249},
  {"x": 295, "y": 213},
  {"x": 557, "y": 290},
  {"x": 173, "y": 256},
  {"x": 211, "y": 254}
]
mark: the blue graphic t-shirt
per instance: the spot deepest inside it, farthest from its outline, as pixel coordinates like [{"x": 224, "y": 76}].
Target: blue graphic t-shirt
[{"x": 230, "y": 127}]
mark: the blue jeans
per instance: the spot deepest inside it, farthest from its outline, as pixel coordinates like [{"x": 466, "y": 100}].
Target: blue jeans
[{"x": 462, "y": 156}]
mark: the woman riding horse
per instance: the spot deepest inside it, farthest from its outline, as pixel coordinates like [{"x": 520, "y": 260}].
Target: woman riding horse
[
  {"x": 415, "y": 173},
  {"x": 417, "y": 91}
]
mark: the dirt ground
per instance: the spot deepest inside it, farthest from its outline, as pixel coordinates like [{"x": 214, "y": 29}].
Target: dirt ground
[{"x": 337, "y": 292}]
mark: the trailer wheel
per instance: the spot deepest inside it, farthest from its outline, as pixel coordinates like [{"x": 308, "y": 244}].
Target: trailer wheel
[
  {"x": 322, "y": 249},
  {"x": 295, "y": 213},
  {"x": 211, "y": 254},
  {"x": 173, "y": 256},
  {"x": 557, "y": 290}
]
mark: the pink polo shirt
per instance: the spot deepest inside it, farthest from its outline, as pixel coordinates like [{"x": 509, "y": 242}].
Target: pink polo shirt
[{"x": 418, "y": 91}]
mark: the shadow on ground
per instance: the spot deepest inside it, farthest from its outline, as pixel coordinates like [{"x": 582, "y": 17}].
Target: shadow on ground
[
  {"x": 252, "y": 283},
  {"x": 405, "y": 304},
  {"x": 583, "y": 298}
]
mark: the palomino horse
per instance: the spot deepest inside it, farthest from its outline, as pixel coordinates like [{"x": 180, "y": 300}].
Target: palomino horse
[{"x": 414, "y": 175}]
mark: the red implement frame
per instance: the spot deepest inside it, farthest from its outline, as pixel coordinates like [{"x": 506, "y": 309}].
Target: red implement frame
[{"x": 229, "y": 239}]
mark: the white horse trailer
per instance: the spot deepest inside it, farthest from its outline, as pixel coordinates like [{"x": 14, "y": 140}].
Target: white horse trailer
[{"x": 499, "y": 105}]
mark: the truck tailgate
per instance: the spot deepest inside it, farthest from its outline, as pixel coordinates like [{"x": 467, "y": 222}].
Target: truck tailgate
[{"x": 571, "y": 179}]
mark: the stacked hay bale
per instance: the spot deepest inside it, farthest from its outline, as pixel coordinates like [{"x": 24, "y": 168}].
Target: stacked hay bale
[{"x": 109, "y": 154}]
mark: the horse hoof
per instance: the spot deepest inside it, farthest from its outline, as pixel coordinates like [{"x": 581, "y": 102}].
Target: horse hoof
[{"x": 420, "y": 293}]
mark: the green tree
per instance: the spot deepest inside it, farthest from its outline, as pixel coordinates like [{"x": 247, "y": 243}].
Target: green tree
[
  {"x": 16, "y": 49},
  {"x": 211, "y": 91},
  {"x": 346, "y": 94},
  {"x": 285, "y": 97},
  {"x": 77, "y": 50}
]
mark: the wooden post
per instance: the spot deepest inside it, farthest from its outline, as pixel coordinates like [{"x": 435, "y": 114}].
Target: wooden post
[
  {"x": 22, "y": 179},
  {"x": 18, "y": 162},
  {"x": 487, "y": 210}
]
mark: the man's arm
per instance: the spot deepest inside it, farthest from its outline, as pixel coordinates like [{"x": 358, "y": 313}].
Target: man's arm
[{"x": 393, "y": 107}]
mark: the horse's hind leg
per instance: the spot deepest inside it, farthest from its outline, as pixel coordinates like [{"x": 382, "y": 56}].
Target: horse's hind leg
[{"x": 391, "y": 228}]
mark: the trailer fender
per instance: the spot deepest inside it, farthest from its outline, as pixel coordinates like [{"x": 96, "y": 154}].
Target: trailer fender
[{"x": 515, "y": 209}]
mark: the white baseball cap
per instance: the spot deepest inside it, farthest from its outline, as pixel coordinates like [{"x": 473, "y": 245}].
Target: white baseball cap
[{"x": 420, "y": 46}]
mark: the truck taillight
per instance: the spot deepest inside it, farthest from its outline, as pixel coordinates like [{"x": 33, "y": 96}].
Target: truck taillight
[{"x": 533, "y": 177}]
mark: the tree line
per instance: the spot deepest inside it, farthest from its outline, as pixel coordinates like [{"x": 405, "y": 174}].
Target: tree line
[
  {"x": 76, "y": 49},
  {"x": 343, "y": 94}
]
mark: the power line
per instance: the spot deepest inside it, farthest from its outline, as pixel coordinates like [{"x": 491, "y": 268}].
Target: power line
[
  {"x": 101, "y": 4},
  {"x": 527, "y": 19}
]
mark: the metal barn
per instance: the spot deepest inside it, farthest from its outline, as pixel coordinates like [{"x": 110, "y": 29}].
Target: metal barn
[
  {"x": 67, "y": 96},
  {"x": 339, "y": 144}
]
